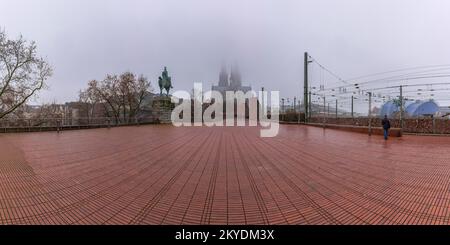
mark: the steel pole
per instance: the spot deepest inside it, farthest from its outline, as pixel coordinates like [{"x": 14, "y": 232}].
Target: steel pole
[
  {"x": 336, "y": 109},
  {"x": 324, "y": 111},
  {"x": 401, "y": 107},
  {"x": 305, "y": 89},
  {"x": 352, "y": 107},
  {"x": 369, "y": 115}
]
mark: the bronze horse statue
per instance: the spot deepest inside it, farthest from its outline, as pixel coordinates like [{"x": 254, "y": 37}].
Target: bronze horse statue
[{"x": 165, "y": 82}]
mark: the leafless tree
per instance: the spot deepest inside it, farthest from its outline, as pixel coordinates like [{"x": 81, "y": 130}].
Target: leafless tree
[
  {"x": 22, "y": 73},
  {"x": 106, "y": 92},
  {"x": 88, "y": 100},
  {"x": 122, "y": 96},
  {"x": 47, "y": 114},
  {"x": 132, "y": 90}
]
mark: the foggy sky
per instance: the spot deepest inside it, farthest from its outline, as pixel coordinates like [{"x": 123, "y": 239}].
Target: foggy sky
[{"x": 87, "y": 39}]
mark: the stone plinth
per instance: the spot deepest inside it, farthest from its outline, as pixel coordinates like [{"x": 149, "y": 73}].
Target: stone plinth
[{"x": 162, "y": 109}]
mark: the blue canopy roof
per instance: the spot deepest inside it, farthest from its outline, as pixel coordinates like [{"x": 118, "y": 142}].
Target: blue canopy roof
[
  {"x": 412, "y": 109},
  {"x": 389, "y": 108},
  {"x": 422, "y": 108}
]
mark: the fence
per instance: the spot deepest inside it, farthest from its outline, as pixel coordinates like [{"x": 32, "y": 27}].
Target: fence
[
  {"x": 421, "y": 125},
  {"x": 410, "y": 125},
  {"x": 58, "y": 124}
]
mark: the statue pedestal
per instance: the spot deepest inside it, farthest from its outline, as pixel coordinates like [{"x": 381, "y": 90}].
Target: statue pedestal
[{"x": 162, "y": 109}]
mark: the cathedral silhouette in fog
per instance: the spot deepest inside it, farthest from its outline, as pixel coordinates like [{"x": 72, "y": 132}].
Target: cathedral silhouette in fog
[{"x": 232, "y": 82}]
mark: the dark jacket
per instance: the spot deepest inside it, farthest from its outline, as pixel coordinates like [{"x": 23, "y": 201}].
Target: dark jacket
[{"x": 386, "y": 123}]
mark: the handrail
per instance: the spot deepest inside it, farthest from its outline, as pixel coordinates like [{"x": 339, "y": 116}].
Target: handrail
[{"x": 70, "y": 122}]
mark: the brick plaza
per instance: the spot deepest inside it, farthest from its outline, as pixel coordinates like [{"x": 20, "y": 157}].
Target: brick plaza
[{"x": 166, "y": 175}]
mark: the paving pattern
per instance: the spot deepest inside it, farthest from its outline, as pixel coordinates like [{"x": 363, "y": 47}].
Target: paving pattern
[{"x": 167, "y": 175}]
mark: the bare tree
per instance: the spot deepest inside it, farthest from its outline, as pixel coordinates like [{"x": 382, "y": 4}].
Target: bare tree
[
  {"x": 88, "y": 99},
  {"x": 139, "y": 90},
  {"x": 122, "y": 96},
  {"x": 22, "y": 73},
  {"x": 44, "y": 115},
  {"x": 132, "y": 92},
  {"x": 108, "y": 93}
]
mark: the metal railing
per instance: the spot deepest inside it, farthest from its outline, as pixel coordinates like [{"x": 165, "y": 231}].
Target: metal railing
[
  {"x": 418, "y": 125},
  {"x": 57, "y": 124}
]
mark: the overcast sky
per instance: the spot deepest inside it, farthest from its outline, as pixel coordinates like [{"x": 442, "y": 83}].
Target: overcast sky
[{"x": 86, "y": 39}]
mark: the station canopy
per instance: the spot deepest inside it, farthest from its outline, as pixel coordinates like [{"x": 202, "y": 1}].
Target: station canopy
[{"x": 412, "y": 109}]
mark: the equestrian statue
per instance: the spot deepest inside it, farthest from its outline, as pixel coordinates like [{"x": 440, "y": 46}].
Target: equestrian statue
[{"x": 165, "y": 82}]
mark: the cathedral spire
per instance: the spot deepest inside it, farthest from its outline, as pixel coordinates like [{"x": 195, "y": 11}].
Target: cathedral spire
[
  {"x": 235, "y": 77},
  {"x": 223, "y": 77}
]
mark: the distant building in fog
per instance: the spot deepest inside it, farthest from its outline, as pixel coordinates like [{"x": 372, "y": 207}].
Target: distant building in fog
[{"x": 233, "y": 82}]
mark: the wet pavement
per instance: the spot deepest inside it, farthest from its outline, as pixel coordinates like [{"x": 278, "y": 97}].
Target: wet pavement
[{"x": 166, "y": 175}]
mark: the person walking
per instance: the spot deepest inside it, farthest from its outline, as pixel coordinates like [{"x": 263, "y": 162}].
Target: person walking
[{"x": 386, "y": 126}]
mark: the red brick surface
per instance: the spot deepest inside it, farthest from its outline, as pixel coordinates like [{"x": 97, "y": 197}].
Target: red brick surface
[{"x": 167, "y": 175}]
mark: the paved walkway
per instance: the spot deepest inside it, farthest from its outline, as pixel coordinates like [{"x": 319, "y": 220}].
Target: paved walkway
[{"x": 167, "y": 175}]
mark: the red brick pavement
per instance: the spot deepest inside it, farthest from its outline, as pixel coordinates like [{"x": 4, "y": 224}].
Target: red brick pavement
[{"x": 167, "y": 175}]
